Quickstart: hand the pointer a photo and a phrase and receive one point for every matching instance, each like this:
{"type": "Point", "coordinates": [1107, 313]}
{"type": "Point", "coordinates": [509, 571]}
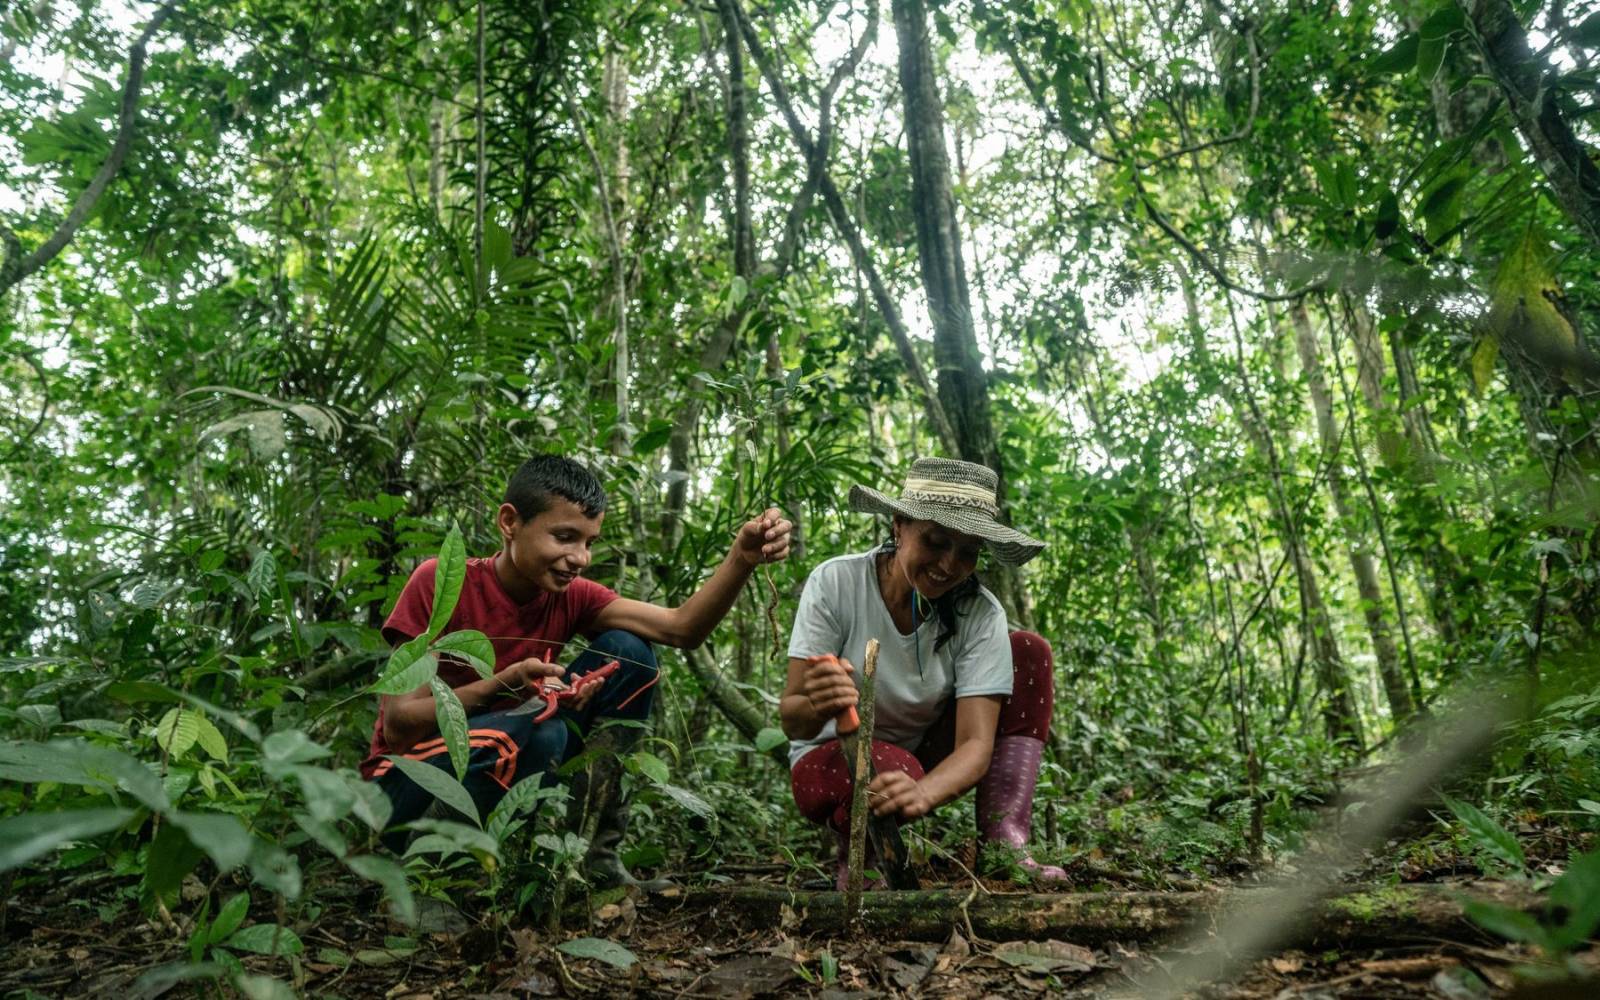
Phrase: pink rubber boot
{"type": "Point", "coordinates": [1005, 801]}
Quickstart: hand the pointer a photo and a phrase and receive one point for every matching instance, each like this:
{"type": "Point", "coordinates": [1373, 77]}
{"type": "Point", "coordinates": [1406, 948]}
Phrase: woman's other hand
{"type": "Point", "coordinates": [896, 793]}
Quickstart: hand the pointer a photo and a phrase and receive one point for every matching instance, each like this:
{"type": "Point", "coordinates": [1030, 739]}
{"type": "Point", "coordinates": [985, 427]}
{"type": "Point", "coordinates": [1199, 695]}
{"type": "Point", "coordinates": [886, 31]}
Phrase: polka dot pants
{"type": "Point", "coordinates": [821, 779]}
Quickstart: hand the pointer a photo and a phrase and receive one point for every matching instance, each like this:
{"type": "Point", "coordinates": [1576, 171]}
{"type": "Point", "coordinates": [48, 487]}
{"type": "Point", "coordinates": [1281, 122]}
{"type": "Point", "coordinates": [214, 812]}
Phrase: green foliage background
{"type": "Point", "coordinates": [289, 348]}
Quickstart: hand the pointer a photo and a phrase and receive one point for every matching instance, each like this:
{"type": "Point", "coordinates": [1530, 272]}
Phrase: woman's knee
{"type": "Point", "coordinates": [1033, 661]}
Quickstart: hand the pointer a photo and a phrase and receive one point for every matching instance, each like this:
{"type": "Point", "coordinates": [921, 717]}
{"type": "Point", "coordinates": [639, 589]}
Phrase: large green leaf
{"type": "Point", "coordinates": [31, 835]}
{"type": "Point", "coordinates": [177, 731]}
{"type": "Point", "coordinates": [393, 879]}
{"type": "Point", "coordinates": [1489, 836]}
{"type": "Point", "coordinates": [599, 949]}
{"type": "Point", "coordinates": [1575, 901]}
{"type": "Point", "coordinates": [451, 716]}
{"type": "Point", "coordinates": [229, 917]}
{"type": "Point", "coordinates": [471, 646]}
{"type": "Point", "coordinates": [451, 570]}
{"type": "Point", "coordinates": [76, 762]}
{"type": "Point", "coordinates": [265, 939]}
{"type": "Point", "coordinates": [410, 667]}
{"type": "Point", "coordinates": [221, 836]}
{"type": "Point", "coordinates": [438, 784]}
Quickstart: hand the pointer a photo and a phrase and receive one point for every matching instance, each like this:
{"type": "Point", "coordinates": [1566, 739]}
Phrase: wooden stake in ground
{"type": "Point", "coordinates": [859, 757]}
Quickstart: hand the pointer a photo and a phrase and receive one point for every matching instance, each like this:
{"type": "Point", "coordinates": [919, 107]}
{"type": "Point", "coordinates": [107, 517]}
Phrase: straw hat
{"type": "Point", "coordinates": [957, 495]}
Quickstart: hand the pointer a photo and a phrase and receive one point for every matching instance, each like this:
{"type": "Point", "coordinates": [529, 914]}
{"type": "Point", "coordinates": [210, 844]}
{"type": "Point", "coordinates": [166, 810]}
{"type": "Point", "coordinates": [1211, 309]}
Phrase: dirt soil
{"type": "Point", "coordinates": [57, 941]}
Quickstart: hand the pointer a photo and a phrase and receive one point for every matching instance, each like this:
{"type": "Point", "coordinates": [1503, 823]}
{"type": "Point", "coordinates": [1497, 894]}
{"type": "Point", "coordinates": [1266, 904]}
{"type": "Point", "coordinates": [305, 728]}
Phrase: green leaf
{"type": "Point", "coordinates": [652, 767]}
{"type": "Point", "coordinates": [162, 978]}
{"type": "Point", "coordinates": [1046, 956]}
{"type": "Point", "coordinates": [656, 434]}
{"type": "Point", "coordinates": [438, 784]}
{"type": "Point", "coordinates": [448, 575]}
{"type": "Point", "coordinates": [410, 667]}
{"type": "Point", "coordinates": [1513, 925]}
{"type": "Point", "coordinates": [1443, 22]}
{"type": "Point", "coordinates": [472, 646]}
{"type": "Point", "coordinates": [229, 917]}
{"type": "Point", "coordinates": [210, 739]}
{"type": "Point", "coordinates": [32, 835]}
{"type": "Point", "coordinates": [393, 879]}
{"type": "Point", "coordinates": [689, 800]}
{"type": "Point", "coordinates": [1575, 899]}
{"type": "Point", "coordinates": [451, 716]}
{"type": "Point", "coordinates": [177, 731]}
{"type": "Point", "coordinates": [770, 738]}
{"type": "Point", "coordinates": [1430, 56]}
{"type": "Point", "coordinates": [171, 856]}
{"type": "Point", "coordinates": [276, 869]}
{"type": "Point", "coordinates": [1484, 354]}
{"type": "Point", "coordinates": [221, 836]}
{"type": "Point", "coordinates": [1399, 57]}
{"type": "Point", "coordinates": [76, 762]}
{"type": "Point", "coordinates": [263, 573]}
{"type": "Point", "coordinates": [599, 949]}
{"type": "Point", "coordinates": [1489, 836]}
{"type": "Point", "coordinates": [1587, 33]}
{"type": "Point", "coordinates": [265, 939]}
{"type": "Point", "coordinates": [287, 747]}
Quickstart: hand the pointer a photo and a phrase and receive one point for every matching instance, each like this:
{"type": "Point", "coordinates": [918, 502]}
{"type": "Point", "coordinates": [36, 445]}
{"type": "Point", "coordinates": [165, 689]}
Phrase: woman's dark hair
{"type": "Point", "coordinates": [950, 606]}
{"type": "Point", "coordinates": [544, 476]}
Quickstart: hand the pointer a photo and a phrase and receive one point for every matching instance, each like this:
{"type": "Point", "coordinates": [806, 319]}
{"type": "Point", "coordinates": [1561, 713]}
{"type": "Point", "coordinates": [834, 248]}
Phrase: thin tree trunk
{"type": "Point", "coordinates": [847, 229]}
{"type": "Point", "coordinates": [1362, 562]}
{"type": "Point", "coordinates": [1339, 712]}
{"type": "Point", "coordinates": [963, 383]}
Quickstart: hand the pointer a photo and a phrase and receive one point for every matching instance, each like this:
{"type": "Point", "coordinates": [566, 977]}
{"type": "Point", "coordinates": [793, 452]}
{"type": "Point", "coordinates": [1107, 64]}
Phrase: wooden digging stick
{"type": "Point", "coordinates": [855, 739]}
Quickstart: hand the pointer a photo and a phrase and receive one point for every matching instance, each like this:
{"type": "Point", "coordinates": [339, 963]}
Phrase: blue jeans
{"type": "Point", "coordinates": [508, 747]}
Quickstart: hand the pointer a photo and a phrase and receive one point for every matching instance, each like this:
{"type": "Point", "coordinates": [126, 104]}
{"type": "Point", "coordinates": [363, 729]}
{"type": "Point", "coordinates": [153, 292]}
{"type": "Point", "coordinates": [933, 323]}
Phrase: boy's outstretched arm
{"type": "Point", "coordinates": [763, 539]}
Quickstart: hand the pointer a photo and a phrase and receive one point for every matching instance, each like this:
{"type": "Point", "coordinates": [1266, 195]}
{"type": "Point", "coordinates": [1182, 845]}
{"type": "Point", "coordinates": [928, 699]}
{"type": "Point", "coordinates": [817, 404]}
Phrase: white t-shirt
{"type": "Point", "coordinates": [842, 607]}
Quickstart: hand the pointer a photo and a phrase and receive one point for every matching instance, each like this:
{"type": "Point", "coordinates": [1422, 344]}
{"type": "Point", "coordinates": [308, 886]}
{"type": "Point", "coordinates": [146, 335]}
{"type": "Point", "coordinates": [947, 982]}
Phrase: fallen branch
{"type": "Point", "coordinates": [1366, 915]}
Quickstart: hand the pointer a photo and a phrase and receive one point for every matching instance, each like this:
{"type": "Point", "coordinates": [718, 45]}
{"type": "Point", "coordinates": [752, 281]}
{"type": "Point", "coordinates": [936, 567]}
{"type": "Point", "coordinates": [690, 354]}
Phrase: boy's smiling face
{"type": "Point", "coordinates": [547, 551]}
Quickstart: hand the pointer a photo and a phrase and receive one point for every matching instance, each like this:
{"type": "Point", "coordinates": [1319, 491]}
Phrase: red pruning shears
{"type": "Point", "coordinates": [552, 691]}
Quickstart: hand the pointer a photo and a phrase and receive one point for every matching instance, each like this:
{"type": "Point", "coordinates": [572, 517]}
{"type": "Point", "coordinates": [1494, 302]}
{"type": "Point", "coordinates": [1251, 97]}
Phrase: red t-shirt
{"type": "Point", "coordinates": [518, 631]}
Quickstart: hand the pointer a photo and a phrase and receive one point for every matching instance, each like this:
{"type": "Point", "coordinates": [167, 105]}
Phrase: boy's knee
{"type": "Point", "coordinates": [626, 648]}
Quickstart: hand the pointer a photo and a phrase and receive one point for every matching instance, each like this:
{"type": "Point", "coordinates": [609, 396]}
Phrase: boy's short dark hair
{"type": "Point", "coordinates": [544, 476]}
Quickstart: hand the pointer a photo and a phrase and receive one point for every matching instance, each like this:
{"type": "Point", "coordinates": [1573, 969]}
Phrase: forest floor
{"type": "Point", "coordinates": [58, 942]}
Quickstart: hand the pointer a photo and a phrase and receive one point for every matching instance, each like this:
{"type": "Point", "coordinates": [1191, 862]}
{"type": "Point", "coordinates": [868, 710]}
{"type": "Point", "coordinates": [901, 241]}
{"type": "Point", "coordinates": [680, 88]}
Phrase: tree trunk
{"type": "Point", "coordinates": [717, 349]}
{"type": "Point", "coordinates": [1525, 80]}
{"type": "Point", "coordinates": [963, 383]}
{"type": "Point", "coordinates": [1339, 711]}
{"type": "Point", "coordinates": [1359, 916]}
{"type": "Point", "coordinates": [1362, 562]}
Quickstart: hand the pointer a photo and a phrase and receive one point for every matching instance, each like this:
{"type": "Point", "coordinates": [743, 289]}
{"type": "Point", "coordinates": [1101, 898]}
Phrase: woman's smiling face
{"type": "Point", "coordinates": [935, 558]}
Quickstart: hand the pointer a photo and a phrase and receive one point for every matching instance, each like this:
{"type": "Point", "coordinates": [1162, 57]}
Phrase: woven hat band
{"type": "Point", "coordinates": [951, 494]}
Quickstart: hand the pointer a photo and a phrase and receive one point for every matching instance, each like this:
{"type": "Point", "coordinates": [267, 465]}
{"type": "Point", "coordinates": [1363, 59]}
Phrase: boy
{"type": "Point", "coordinates": [530, 599]}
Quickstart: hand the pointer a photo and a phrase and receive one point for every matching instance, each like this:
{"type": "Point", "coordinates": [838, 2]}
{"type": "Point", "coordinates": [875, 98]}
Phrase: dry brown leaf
{"type": "Point", "coordinates": [1288, 965]}
{"type": "Point", "coordinates": [608, 913]}
{"type": "Point", "coordinates": [957, 946]}
{"type": "Point", "coordinates": [526, 940]}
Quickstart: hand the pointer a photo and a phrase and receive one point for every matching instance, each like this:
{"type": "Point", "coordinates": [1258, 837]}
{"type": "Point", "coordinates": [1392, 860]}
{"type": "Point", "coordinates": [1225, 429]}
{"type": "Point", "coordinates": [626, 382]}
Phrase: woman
{"type": "Point", "coordinates": [959, 700]}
